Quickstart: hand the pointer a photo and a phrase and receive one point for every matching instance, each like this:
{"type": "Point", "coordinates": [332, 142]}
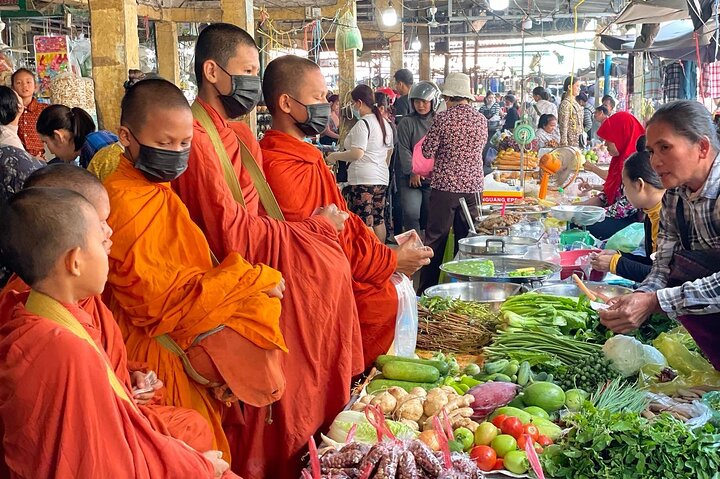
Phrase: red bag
{"type": "Point", "coordinates": [420, 165]}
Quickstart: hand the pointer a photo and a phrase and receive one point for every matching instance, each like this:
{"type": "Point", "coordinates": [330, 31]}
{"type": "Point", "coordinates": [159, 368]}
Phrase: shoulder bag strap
{"type": "Point", "coordinates": [48, 308]}
{"type": "Point", "coordinates": [267, 197]}
{"type": "Point", "coordinates": [228, 171]}
{"type": "Point", "coordinates": [682, 225]}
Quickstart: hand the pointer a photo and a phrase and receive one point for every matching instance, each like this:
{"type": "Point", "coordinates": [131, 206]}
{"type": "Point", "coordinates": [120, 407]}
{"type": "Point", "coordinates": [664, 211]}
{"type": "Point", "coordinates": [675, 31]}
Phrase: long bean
{"type": "Point", "coordinates": [567, 350]}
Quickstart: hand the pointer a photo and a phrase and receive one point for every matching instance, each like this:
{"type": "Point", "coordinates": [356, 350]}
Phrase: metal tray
{"type": "Point", "coordinates": [571, 289]}
{"type": "Point", "coordinates": [496, 245]}
{"type": "Point", "coordinates": [517, 209]}
{"type": "Point", "coordinates": [491, 294]}
{"type": "Point", "coordinates": [503, 266]}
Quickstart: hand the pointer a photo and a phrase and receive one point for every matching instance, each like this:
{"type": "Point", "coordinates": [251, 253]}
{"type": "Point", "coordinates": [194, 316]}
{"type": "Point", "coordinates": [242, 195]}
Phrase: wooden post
{"type": "Point", "coordinates": [464, 55]}
{"type": "Point", "coordinates": [240, 13]}
{"type": "Point", "coordinates": [114, 52]}
{"type": "Point", "coordinates": [425, 67]}
{"type": "Point", "coordinates": [395, 35]}
{"type": "Point", "coordinates": [166, 42]}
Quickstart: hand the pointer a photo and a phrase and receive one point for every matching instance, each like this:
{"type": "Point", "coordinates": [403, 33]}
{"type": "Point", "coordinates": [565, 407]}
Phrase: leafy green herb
{"type": "Point", "coordinates": [603, 444]}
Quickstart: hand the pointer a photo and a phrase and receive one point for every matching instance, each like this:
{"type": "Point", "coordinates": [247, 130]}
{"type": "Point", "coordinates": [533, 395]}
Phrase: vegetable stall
{"type": "Point", "coordinates": [529, 384]}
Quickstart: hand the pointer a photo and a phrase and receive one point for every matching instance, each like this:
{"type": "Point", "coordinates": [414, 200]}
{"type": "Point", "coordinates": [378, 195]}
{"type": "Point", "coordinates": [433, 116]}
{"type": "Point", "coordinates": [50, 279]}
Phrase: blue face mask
{"type": "Point", "coordinates": [356, 113]}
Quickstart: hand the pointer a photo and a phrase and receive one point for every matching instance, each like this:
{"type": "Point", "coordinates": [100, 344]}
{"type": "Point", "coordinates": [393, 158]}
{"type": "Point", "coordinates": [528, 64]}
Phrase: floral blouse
{"type": "Point", "coordinates": [620, 209]}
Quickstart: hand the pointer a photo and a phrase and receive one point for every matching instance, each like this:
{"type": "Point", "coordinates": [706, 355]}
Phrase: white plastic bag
{"type": "Point", "coordinates": [406, 324]}
{"type": "Point", "coordinates": [628, 354]}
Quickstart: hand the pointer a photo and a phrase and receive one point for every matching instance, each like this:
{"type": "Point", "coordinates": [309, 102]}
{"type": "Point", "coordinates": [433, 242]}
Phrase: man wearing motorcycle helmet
{"type": "Point", "coordinates": [424, 98]}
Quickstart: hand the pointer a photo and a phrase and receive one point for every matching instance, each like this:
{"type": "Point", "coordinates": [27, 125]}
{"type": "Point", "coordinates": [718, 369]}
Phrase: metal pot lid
{"type": "Point", "coordinates": [496, 245]}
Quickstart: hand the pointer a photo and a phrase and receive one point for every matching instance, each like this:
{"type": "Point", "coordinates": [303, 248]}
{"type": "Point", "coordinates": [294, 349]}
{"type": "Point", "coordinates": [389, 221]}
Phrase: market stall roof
{"type": "Point", "coordinates": [653, 11]}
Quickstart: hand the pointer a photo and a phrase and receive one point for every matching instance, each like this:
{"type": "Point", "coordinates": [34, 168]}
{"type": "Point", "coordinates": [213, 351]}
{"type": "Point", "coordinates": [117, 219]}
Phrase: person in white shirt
{"type": "Point", "coordinates": [368, 147]}
{"type": "Point", "coordinates": [11, 107]}
{"type": "Point", "coordinates": [542, 105]}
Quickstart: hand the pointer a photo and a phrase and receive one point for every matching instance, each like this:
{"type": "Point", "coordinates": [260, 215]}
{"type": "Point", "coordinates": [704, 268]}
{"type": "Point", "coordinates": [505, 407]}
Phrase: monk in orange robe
{"type": "Point", "coordinates": [162, 280]}
{"type": "Point", "coordinates": [319, 318]}
{"type": "Point", "coordinates": [184, 424]}
{"type": "Point", "coordinates": [294, 90]}
{"type": "Point", "coordinates": [66, 412]}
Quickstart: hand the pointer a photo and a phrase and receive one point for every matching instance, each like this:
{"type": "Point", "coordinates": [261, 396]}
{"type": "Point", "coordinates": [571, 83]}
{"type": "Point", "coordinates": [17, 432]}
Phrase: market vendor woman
{"type": "Point", "coordinates": [685, 277]}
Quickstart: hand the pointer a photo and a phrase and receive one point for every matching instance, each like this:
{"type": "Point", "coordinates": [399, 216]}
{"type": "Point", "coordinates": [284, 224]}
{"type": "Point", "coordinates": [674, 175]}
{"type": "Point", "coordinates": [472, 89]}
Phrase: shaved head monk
{"type": "Point", "coordinates": [181, 423]}
{"type": "Point", "coordinates": [65, 410]}
{"type": "Point", "coordinates": [163, 289]}
{"type": "Point", "coordinates": [228, 197]}
{"type": "Point", "coordinates": [294, 90]}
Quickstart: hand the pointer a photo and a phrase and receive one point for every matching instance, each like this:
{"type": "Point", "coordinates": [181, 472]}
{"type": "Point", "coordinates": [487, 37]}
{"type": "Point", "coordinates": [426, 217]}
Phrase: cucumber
{"type": "Point", "coordinates": [378, 385]}
{"type": "Point", "coordinates": [411, 372]}
{"type": "Point", "coordinates": [441, 366]}
{"type": "Point", "coordinates": [524, 373]}
{"type": "Point", "coordinates": [496, 366]}
{"type": "Point", "coordinates": [502, 378]}
{"type": "Point", "coordinates": [511, 369]}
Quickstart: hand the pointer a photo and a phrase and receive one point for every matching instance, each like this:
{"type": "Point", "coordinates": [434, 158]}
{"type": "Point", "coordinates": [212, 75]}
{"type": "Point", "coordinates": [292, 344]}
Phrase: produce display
{"type": "Point", "coordinates": [555, 393]}
{"type": "Point", "coordinates": [510, 159]}
{"type": "Point", "coordinates": [454, 325]}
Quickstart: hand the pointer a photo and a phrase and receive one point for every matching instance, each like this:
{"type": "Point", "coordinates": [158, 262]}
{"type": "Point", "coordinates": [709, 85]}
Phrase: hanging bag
{"type": "Point", "coordinates": [421, 165]}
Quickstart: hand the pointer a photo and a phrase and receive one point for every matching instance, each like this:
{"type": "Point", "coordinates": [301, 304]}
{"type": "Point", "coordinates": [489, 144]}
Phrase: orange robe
{"type": "Point", "coordinates": [162, 281]}
{"type": "Point", "coordinates": [302, 182]}
{"type": "Point", "coordinates": [180, 423]}
{"type": "Point", "coordinates": [62, 418]}
{"type": "Point", "coordinates": [319, 318]}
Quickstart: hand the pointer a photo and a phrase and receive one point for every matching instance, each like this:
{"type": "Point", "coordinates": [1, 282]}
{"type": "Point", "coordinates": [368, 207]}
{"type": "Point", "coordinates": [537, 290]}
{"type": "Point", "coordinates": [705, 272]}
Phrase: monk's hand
{"type": "Point", "coordinates": [627, 313]}
{"type": "Point", "coordinates": [410, 258]}
{"type": "Point", "coordinates": [140, 383]}
{"type": "Point", "coordinates": [335, 215]}
{"type": "Point", "coordinates": [219, 465]}
{"type": "Point", "coordinates": [277, 291]}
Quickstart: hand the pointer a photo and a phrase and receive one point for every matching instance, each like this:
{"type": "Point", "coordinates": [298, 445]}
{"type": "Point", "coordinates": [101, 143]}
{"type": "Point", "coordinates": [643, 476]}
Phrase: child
{"type": "Point", "coordinates": [65, 411]}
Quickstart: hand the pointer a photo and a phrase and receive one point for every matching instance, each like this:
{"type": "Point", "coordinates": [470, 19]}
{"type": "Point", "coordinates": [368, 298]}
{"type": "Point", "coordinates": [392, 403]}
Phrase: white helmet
{"type": "Point", "coordinates": [425, 90]}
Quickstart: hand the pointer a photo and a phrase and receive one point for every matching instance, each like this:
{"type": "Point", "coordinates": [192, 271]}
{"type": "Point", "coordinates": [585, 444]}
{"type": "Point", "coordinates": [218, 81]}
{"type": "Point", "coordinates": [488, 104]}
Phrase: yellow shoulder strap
{"type": "Point", "coordinates": [267, 198]}
{"type": "Point", "coordinates": [230, 177]}
{"type": "Point", "coordinates": [47, 307]}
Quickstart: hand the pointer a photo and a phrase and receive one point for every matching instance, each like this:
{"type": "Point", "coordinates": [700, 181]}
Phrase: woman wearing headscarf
{"type": "Point", "coordinates": [620, 133]}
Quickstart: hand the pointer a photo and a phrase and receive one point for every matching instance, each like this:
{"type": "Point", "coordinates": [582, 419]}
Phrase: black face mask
{"type": "Point", "coordinates": [245, 94]}
{"type": "Point", "coordinates": [160, 165]}
{"type": "Point", "coordinates": [318, 117]}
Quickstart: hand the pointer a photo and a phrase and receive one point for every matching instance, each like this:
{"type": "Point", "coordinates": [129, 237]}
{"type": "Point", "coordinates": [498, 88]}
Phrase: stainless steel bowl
{"type": "Point", "coordinates": [571, 289]}
{"type": "Point", "coordinates": [516, 246]}
{"type": "Point", "coordinates": [492, 294]}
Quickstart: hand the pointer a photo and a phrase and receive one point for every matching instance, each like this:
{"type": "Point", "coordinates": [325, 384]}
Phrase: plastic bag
{"type": "Point", "coordinates": [406, 325]}
{"type": "Point", "coordinates": [701, 413]}
{"type": "Point", "coordinates": [347, 36]}
{"type": "Point", "coordinates": [627, 239]}
{"type": "Point", "coordinates": [692, 369]}
{"type": "Point", "coordinates": [628, 354]}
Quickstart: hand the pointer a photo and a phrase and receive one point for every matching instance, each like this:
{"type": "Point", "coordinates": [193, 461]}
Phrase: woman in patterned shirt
{"type": "Point", "coordinates": [571, 115]}
{"type": "Point", "coordinates": [620, 132]}
{"type": "Point", "coordinates": [456, 140]}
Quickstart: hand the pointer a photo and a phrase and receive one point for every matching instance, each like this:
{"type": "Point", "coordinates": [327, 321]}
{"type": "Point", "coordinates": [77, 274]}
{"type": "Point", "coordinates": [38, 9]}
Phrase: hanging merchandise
{"type": "Point", "coordinates": [80, 53]}
{"type": "Point", "coordinates": [51, 59]}
{"type": "Point", "coordinates": [653, 77]}
{"type": "Point", "coordinates": [711, 80]}
{"type": "Point", "coordinates": [691, 80]}
{"type": "Point", "coordinates": [347, 36]}
{"type": "Point", "coordinates": [674, 80]}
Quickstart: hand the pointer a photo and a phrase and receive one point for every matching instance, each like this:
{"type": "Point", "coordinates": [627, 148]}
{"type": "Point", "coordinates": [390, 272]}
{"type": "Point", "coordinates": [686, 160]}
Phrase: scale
{"type": "Point", "coordinates": [523, 134]}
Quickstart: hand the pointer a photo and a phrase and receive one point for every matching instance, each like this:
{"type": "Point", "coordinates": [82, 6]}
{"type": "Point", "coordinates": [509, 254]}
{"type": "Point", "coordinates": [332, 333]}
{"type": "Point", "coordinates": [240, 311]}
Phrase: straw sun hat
{"type": "Point", "coordinates": [458, 85]}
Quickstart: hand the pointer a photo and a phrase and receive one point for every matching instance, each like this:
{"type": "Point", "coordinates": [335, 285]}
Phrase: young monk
{"type": "Point", "coordinates": [294, 90]}
{"type": "Point", "coordinates": [163, 288]}
{"type": "Point", "coordinates": [319, 318]}
{"type": "Point", "coordinates": [66, 413]}
{"type": "Point", "coordinates": [181, 423]}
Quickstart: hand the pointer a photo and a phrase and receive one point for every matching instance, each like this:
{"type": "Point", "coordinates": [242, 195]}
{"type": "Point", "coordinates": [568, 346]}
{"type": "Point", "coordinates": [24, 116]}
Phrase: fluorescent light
{"type": "Point", "coordinates": [416, 45]}
{"type": "Point", "coordinates": [527, 24]}
{"type": "Point", "coordinates": [591, 25]}
{"type": "Point", "coordinates": [389, 16]}
{"type": "Point", "coordinates": [498, 4]}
